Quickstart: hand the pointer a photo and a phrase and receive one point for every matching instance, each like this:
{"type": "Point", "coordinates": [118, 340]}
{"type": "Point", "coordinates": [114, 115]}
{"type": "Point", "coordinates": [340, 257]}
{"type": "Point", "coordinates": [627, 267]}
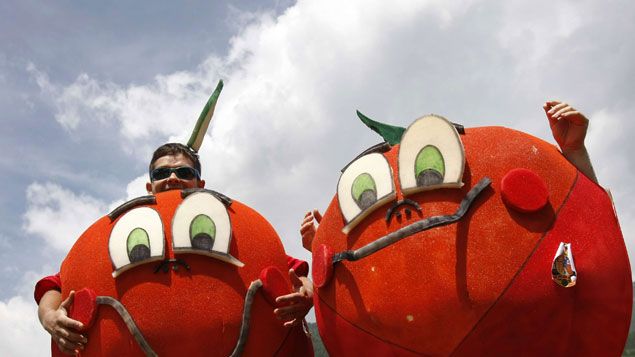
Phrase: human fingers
{"type": "Point", "coordinates": [557, 107]}
{"type": "Point", "coordinates": [288, 312]}
{"type": "Point", "coordinates": [295, 280]}
{"type": "Point", "coordinates": [306, 227]}
{"type": "Point", "coordinates": [562, 110]}
{"type": "Point", "coordinates": [293, 298]}
{"type": "Point", "coordinates": [307, 219]}
{"type": "Point", "coordinates": [286, 316]}
{"type": "Point", "coordinates": [72, 336]}
{"type": "Point", "coordinates": [66, 351]}
{"type": "Point", "coordinates": [292, 323]}
{"type": "Point", "coordinates": [575, 117]}
{"type": "Point", "coordinates": [70, 323]}
{"type": "Point", "coordinates": [552, 121]}
{"type": "Point", "coordinates": [66, 346]}
{"type": "Point", "coordinates": [317, 215]}
{"type": "Point", "coordinates": [550, 104]}
{"type": "Point", "coordinates": [68, 302]}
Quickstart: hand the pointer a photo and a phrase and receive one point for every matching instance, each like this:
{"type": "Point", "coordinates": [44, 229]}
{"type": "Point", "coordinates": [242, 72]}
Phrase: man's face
{"type": "Point", "coordinates": [173, 182]}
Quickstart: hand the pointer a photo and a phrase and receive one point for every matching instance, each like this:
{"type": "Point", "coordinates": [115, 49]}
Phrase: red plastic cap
{"type": "Point", "coordinates": [524, 191]}
{"type": "Point", "coordinates": [322, 265]}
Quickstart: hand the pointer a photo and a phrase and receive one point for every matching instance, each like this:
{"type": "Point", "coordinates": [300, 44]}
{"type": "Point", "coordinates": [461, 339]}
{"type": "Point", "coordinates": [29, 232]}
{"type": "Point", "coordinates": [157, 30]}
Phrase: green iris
{"type": "Point", "coordinates": [364, 190]}
{"type": "Point", "coordinates": [138, 244]}
{"type": "Point", "coordinates": [202, 232]}
{"type": "Point", "coordinates": [429, 166]}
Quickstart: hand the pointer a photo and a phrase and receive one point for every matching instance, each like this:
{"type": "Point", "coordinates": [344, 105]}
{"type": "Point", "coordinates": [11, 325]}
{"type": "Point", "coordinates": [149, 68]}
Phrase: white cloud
{"type": "Point", "coordinates": [20, 330]}
{"type": "Point", "coordinates": [285, 122]}
{"type": "Point", "coordinates": [532, 32]}
{"type": "Point", "coordinates": [4, 242]}
{"type": "Point", "coordinates": [58, 215]}
{"type": "Point", "coordinates": [608, 137]}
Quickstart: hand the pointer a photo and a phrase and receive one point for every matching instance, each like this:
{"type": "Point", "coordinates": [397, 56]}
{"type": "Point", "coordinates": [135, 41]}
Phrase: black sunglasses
{"type": "Point", "coordinates": [183, 172]}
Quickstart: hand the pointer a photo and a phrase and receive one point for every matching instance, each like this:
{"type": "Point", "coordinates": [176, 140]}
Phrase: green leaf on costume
{"type": "Point", "coordinates": [391, 134]}
{"type": "Point", "coordinates": [204, 119]}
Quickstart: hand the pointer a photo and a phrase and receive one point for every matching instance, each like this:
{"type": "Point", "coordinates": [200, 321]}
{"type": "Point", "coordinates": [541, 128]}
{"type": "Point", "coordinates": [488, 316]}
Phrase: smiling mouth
{"type": "Point", "coordinates": [140, 339]}
{"type": "Point", "coordinates": [419, 226]}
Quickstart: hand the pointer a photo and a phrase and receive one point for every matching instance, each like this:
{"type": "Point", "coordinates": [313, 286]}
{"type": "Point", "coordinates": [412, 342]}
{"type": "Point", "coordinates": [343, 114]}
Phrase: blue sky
{"type": "Point", "coordinates": [88, 90]}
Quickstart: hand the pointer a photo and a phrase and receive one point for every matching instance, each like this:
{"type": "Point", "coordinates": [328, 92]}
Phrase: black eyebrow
{"type": "Point", "coordinates": [125, 207]}
{"type": "Point", "coordinates": [224, 199]}
{"type": "Point", "coordinates": [459, 128]}
{"type": "Point", "coordinates": [378, 148]}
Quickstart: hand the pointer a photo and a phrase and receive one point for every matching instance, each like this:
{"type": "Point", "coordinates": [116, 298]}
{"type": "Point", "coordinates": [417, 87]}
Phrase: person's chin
{"type": "Point", "coordinates": [173, 187]}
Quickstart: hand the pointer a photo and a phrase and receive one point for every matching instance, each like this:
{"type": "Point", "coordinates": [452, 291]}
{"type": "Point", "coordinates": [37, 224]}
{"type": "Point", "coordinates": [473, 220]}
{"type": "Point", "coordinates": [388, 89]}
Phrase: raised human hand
{"type": "Point", "coordinates": [308, 228]}
{"type": "Point", "coordinates": [568, 126]}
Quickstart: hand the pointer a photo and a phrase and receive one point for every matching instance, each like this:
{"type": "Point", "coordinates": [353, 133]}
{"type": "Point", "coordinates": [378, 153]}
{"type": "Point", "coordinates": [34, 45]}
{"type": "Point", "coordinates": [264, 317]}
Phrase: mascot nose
{"type": "Point", "coordinates": [405, 205]}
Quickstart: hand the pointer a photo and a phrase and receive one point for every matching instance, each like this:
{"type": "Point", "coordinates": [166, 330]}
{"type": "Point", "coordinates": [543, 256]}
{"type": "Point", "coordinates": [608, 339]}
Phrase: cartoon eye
{"type": "Point", "coordinates": [364, 185]}
{"type": "Point", "coordinates": [431, 155]}
{"type": "Point", "coordinates": [136, 238]}
{"type": "Point", "coordinates": [201, 225]}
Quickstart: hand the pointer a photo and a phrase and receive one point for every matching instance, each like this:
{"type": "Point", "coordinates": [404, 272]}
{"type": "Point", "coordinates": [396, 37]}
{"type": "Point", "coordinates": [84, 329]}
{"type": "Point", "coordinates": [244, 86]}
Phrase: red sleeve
{"type": "Point", "coordinates": [45, 284]}
{"type": "Point", "coordinates": [300, 266]}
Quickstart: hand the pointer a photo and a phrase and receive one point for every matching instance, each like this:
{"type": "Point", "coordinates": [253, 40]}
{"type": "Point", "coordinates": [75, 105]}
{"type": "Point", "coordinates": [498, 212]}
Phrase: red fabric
{"type": "Point", "coordinates": [300, 266]}
{"type": "Point", "coordinates": [354, 341]}
{"type": "Point", "coordinates": [587, 319]}
{"type": "Point", "coordinates": [275, 283]}
{"type": "Point", "coordinates": [45, 284]}
{"type": "Point", "coordinates": [180, 312]}
{"type": "Point", "coordinates": [430, 292]}
{"type": "Point", "coordinates": [296, 344]}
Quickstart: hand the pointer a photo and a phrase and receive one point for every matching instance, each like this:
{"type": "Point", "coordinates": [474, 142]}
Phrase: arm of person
{"type": "Point", "coordinates": [294, 307]}
{"type": "Point", "coordinates": [52, 312]}
{"type": "Point", "coordinates": [53, 315]}
{"type": "Point", "coordinates": [569, 128]}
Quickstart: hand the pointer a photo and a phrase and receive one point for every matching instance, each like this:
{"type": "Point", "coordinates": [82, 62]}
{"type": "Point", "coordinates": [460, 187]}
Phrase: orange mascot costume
{"type": "Point", "coordinates": [467, 242]}
{"type": "Point", "coordinates": [181, 273]}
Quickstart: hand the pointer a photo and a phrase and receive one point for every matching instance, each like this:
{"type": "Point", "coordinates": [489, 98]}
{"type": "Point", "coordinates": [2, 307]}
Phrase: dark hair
{"type": "Point", "coordinates": [174, 149]}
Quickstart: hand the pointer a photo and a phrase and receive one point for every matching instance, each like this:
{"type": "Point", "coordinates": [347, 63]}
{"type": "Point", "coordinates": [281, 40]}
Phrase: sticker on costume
{"type": "Point", "coordinates": [563, 270]}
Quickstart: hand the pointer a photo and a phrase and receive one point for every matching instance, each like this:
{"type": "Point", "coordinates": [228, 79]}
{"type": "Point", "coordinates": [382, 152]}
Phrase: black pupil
{"type": "Point", "coordinates": [138, 253]}
{"type": "Point", "coordinates": [367, 199]}
{"type": "Point", "coordinates": [203, 241]}
{"type": "Point", "coordinates": [185, 173]}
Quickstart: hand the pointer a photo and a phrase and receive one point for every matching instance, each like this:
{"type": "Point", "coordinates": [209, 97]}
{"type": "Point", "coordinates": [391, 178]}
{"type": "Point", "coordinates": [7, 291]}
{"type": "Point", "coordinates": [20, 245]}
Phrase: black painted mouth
{"type": "Point", "coordinates": [419, 226]}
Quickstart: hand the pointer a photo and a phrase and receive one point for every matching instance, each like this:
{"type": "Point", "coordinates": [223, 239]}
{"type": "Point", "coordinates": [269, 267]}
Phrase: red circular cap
{"type": "Point", "coordinates": [274, 284]}
{"type": "Point", "coordinates": [322, 265]}
{"type": "Point", "coordinates": [84, 307]}
{"type": "Point", "coordinates": [524, 191]}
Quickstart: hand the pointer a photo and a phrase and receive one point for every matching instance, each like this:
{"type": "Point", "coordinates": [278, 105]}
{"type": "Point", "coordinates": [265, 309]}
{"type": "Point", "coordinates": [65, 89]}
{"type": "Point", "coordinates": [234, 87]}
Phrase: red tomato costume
{"type": "Point", "coordinates": [179, 266]}
{"type": "Point", "coordinates": [443, 244]}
